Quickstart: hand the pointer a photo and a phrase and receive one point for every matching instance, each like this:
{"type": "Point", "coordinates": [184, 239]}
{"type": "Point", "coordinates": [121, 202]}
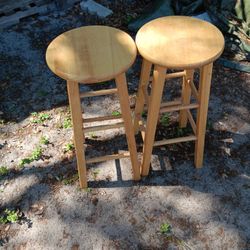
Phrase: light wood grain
{"type": "Point", "coordinates": [121, 84]}
{"type": "Point", "coordinates": [186, 94]}
{"type": "Point", "coordinates": [103, 127]}
{"type": "Point", "coordinates": [108, 158]}
{"type": "Point", "coordinates": [175, 140]}
{"type": "Point", "coordinates": [91, 54]}
{"type": "Point", "coordinates": [191, 120]}
{"type": "Point", "coordinates": [76, 114]}
{"type": "Point", "coordinates": [142, 97]}
{"type": "Point", "coordinates": [179, 107]}
{"type": "Point", "coordinates": [179, 42]}
{"type": "Point", "coordinates": [204, 90]}
{"type": "Point", "coordinates": [98, 93]}
{"type": "Point", "coordinates": [102, 118]}
{"type": "Point", "coordinates": [194, 90]}
{"type": "Point", "coordinates": [153, 113]}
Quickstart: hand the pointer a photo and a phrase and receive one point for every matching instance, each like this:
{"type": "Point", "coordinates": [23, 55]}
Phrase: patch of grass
{"type": "Point", "coordinates": [95, 172]}
{"type": "Point", "coordinates": [3, 171]}
{"type": "Point", "coordinates": [165, 120]}
{"type": "Point", "coordinates": [67, 123]}
{"type": "Point", "coordinates": [9, 216]}
{"type": "Point", "coordinates": [144, 114]}
{"type": "Point", "coordinates": [92, 135]}
{"type": "Point", "coordinates": [39, 118]}
{"type": "Point", "coordinates": [165, 228]}
{"type": "Point", "coordinates": [116, 113]}
{"type": "Point", "coordinates": [88, 190]}
{"type": "Point", "coordinates": [70, 180]}
{"type": "Point", "coordinates": [179, 132]}
{"type": "Point", "coordinates": [35, 156]}
{"type": "Point", "coordinates": [44, 140]}
{"type": "Point", "coordinates": [69, 147]}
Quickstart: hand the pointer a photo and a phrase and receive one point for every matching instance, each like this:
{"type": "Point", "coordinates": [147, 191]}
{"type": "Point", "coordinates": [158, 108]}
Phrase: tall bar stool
{"type": "Point", "coordinates": [95, 54]}
{"type": "Point", "coordinates": [178, 43]}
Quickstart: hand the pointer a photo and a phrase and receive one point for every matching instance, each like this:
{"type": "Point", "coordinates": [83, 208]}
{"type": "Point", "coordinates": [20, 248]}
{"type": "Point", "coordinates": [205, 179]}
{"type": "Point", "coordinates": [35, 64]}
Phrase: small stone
{"type": "Point", "coordinates": [228, 140]}
{"type": "Point", "coordinates": [7, 228]}
{"type": "Point", "coordinates": [95, 8]}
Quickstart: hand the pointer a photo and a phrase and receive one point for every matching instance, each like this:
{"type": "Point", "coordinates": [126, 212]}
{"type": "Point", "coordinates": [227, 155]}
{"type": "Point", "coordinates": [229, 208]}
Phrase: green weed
{"type": "Point", "coordinates": [67, 123]}
{"type": "Point", "coordinates": [116, 113]}
{"type": "Point", "coordinates": [144, 114]}
{"type": "Point", "coordinates": [70, 180]}
{"type": "Point", "coordinates": [88, 190]}
{"type": "Point", "coordinates": [44, 140]}
{"type": "Point", "coordinates": [165, 228]}
{"type": "Point", "coordinates": [95, 172]}
{"type": "Point", "coordinates": [92, 135]}
{"type": "Point", "coordinates": [3, 171]}
{"type": "Point", "coordinates": [35, 156]}
{"type": "Point", "coordinates": [9, 216]}
{"type": "Point", "coordinates": [69, 147]}
{"type": "Point", "coordinates": [39, 118]}
{"type": "Point", "coordinates": [165, 120]}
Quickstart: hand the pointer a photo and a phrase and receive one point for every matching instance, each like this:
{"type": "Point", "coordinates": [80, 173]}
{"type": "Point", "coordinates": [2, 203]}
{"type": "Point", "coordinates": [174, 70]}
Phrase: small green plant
{"type": "Point", "coordinates": [165, 228]}
{"type": "Point", "coordinates": [88, 190]}
{"type": "Point", "coordinates": [44, 140]}
{"type": "Point", "coordinates": [179, 132]}
{"type": "Point", "coordinates": [95, 172]}
{"type": "Point", "coordinates": [165, 120]}
{"type": "Point", "coordinates": [144, 114]}
{"type": "Point", "coordinates": [3, 171]}
{"type": "Point", "coordinates": [9, 216]}
{"type": "Point", "coordinates": [67, 123]}
{"type": "Point", "coordinates": [39, 118]}
{"type": "Point", "coordinates": [35, 156]}
{"type": "Point", "coordinates": [92, 135]}
{"type": "Point", "coordinates": [116, 113]}
{"type": "Point", "coordinates": [69, 147]}
{"type": "Point", "coordinates": [70, 180]}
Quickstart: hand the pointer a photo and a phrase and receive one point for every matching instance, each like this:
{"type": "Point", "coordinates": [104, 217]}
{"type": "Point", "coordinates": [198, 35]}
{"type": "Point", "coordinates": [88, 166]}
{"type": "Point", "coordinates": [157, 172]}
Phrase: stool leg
{"type": "Point", "coordinates": [128, 124]}
{"type": "Point", "coordinates": [186, 94]}
{"type": "Point", "coordinates": [153, 113]}
{"type": "Point", "coordinates": [204, 90]}
{"type": "Point", "coordinates": [140, 98]}
{"type": "Point", "coordinates": [76, 114]}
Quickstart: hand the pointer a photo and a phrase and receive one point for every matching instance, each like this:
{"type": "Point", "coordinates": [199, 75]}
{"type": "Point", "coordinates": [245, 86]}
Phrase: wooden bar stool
{"type": "Point", "coordinates": [95, 54]}
{"type": "Point", "coordinates": [178, 43]}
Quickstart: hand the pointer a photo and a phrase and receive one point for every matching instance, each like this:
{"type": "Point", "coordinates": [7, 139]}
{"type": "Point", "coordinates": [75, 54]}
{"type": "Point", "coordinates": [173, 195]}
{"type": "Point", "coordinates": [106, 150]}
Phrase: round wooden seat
{"type": "Point", "coordinates": [179, 42]}
{"type": "Point", "coordinates": [91, 54]}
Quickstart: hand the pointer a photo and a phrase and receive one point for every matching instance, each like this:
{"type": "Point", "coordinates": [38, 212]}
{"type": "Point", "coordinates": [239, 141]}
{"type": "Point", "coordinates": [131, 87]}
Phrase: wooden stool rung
{"type": "Point", "coordinates": [172, 103]}
{"type": "Point", "coordinates": [166, 104]}
{"type": "Point", "coordinates": [108, 157]}
{"type": "Point", "coordinates": [102, 118]}
{"type": "Point", "coordinates": [191, 120]}
{"type": "Point", "coordinates": [175, 75]}
{"type": "Point", "coordinates": [146, 95]}
{"type": "Point", "coordinates": [193, 89]}
{"type": "Point", "coordinates": [178, 107]}
{"type": "Point", "coordinates": [98, 93]}
{"type": "Point", "coordinates": [175, 140]}
{"type": "Point", "coordinates": [171, 75]}
{"type": "Point", "coordinates": [103, 127]}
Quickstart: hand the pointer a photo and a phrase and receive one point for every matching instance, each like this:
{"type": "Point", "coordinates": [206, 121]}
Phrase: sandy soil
{"type": "Point", "coordinates": [206, 209]}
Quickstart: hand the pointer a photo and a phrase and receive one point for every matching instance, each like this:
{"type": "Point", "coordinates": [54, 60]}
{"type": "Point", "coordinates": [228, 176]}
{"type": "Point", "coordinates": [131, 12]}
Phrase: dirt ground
{"type": "Point", "coordinates": [207, 208]}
